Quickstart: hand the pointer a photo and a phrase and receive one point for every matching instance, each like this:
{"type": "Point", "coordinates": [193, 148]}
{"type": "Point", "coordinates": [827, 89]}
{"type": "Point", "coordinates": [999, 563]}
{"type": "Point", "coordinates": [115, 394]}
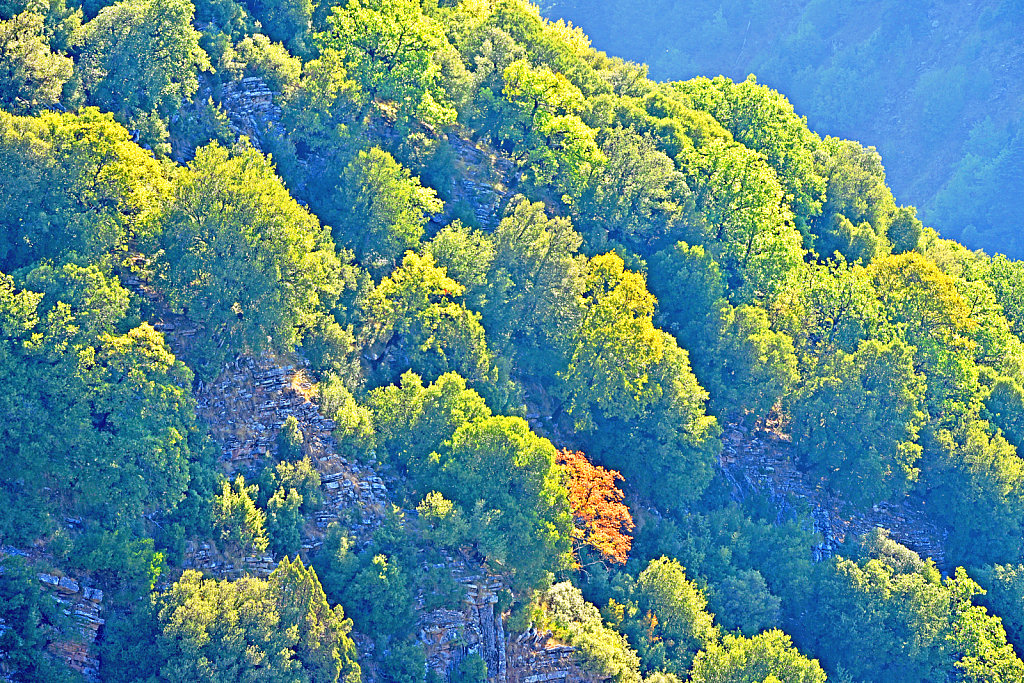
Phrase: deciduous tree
{"type": "Point", "coordinates": [602, 521]}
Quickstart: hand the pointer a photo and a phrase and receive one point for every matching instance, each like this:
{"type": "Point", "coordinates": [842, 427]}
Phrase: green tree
{"type": "Point", "coordinates": [323, 108]}
{"type": "Point", "coordinates": [974, 484]}
{"type": "Point", "coordinates": [671, 622]}
{"type": "Point", "coordinates": [979, 639]}
{"type": "Point", "coordinates": [379, 597]}
{"type": "Point", "coordinates": [601, 650]}
{"type": "Point", "coordinates": [532, 281]}
{"type": "Point", "coordinates": [534, 98]}
{"type": "Point", "coordinates": [281, 629]}
{"type": "Point", "coordinates": [388, 47]}
{"type": "Point", "coordinates": [763, 120]}
{"type": "Point", "coordinates": [830, 308]}
{"type": "Point", "coordinates": [285, 522]}
{"type": "Point", "coordinates": [504, 478]}
{"type": "Point", "coordinates": [95, 404]}
{"type": "Point", "coordinates": [466, 255]}
{"type": "Point", "coordinates": [32, 76]}
{"type": "Point", "coordinates": [905, 230]}
{"type": "Point", "coordinates": [857, 423]}
{"type": "Point", "coordinates": [289, 440]}
{"type": "Point", "coordinates": [752, 366]}
{"type": "Point", "coordinates": [858, 208]}
{"type": "Point", "coordinates": [768, 657]}
{"type": "Point", "coordinates": [76, 185]}
{"type": "Point", "coordinates": [925, 304]}
{"type": "Point", "coordinates": [1004, 596]}
{"type": "Point", "coordinates": [744, 221]}
{"type": "Point", "coordinates": [140, 60]}
{"type": "Point", "coordinates": [380, 210]}
{"type": "Point", "coordinates": [678, 440]}
{"type": "Point", "coordinates": [326, 652]}
{"type": "Point", "coordinates": [301, 476]}
{"type": "Point", "coordinates": [742, 601]}
{"type": "Point", "coordinates": [638, 198]}
{"type": "Point", "coordinates": [1005, 403]}
{"type": "Point", "coordinates": [692, 304]}
{"type": "Point", "coordinates": [286, 22]}
{"type": "Point", "coordinates": [414, 420]}
{"type": "Point", "coordinates": [614, 346]}
{"type": "Point", "coordinates": [879, 624]}
{"type": "Point", "coordinates": [242, 258]}
{"type": "Point", "coordinates": [419, 325]}
{"type": "Point", "coordinates": [240, 522]}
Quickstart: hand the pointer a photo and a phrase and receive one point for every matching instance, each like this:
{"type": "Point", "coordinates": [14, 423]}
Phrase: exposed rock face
{"type": "Point", "coordinates": [481, 184]}
{"type": "Point", "coordinates": [250, 107]}
{"type": "Point", "coordinates": [764, 462]}
{"type": "Point", "coordinates": [245, 408]}
{"type": "Point", "coordinates": [84, 605]}
{"type": "Point", "coordinates": [449, 636]}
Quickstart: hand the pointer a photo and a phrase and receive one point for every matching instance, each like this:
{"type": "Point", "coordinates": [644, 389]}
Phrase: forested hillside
{"type": "Point", "coordinates": [931, 84]}
{"type": "Point", "coordinates": [406, 342]}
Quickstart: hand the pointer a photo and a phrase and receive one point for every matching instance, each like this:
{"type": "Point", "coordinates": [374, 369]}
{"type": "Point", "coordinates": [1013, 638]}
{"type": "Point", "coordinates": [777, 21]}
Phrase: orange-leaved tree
{"type": "Point", "coordinates": [602, 520]}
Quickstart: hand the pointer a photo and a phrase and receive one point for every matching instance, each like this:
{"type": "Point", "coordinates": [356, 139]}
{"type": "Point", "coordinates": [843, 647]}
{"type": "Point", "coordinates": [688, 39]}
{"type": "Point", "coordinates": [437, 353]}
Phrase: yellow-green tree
{"type": "Point", "coordinates": [242, 258]}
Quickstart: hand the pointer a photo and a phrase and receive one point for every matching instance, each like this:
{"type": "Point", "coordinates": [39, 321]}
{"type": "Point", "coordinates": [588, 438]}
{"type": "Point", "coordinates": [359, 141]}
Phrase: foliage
{"type": "Point", "coordinates": [422, 327]}
{"type": "Point", "coordinates": [289, 440]}
{"type": "Point", "coordinates": [601, 650]}
{"type": "Point", "coordinates": [638, 197]}
{"type": "Point", "coordinates": [33, 76]}
{"type": "Point", "coordinates": [601, 520]}
{"type": "Point", "coordinates": [668, 622]}
{"type": "Point", "coordinates": [975, 486]}
{"type": "Point", "coordinates": [858, 422]}
{"type": "Point", "coordinates": [240, 522]}
{"type": "Point", "coordinates": [613, 346]}
{"type": "Point", "coordinates": [1004, 590]}
{"type": "Point", "coordinates": [769, 656]}
{"type": "Point", "coordinates": [763, 120]}
{"type": "Point", "coordinates": [858, 207]}
{"type": "Point", "coordinates": [281, 628]}
{"type": "Point", "coordinates": [742, 601]}
{"type": "Point", "coordinates": [77, 185]}
{"type": "Point", "coordinates": [242, 257]}
{"type": "Point", "coordinates": [414, 420]}
{"type": "Point", "coordinates": [504, 478]}
{"type": "Point", "coordinates": [617, 258]}
{"type": "Point", "coordinates": [32, 620]}
{"type": "Point", "coordinates": [387, 47]}
{"type": "Point", "coordinates": [94, 403]}
{"type": "Point", "coordinates": [139, 60]}
{"type": "Point", "coordinates": [380, 210]}
{"type": "Point", "coordinates": [744, 221]}
{"type": "Point", "coordinates": [258, 56]}
{"type": "Point", "coordinates": [284, 522]}
{"type": "Point", "coordinates": [532, 280]}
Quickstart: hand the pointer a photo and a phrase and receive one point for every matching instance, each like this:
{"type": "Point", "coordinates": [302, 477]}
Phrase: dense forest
{"type": "Point", "coordinates": [544, 300]}
{"type": "Point", "coordinates": [932, 84]}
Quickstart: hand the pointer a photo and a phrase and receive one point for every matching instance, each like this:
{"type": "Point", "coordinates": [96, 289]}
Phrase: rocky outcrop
{"type": "Point", "coordinates": [449, 636]}
{"type": "Point", "coordinates": [481, 184]}
{"type": "Point", "coordinates": [80, 602]}
{"type": "Point", "coordinates": [83, 605]}
{"type": "Point", "coordinates": [763, 461]}
{"type": "Point", "coordinates": [251, 110]}
{"type": "Point", "coordinates": [245, 408]}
